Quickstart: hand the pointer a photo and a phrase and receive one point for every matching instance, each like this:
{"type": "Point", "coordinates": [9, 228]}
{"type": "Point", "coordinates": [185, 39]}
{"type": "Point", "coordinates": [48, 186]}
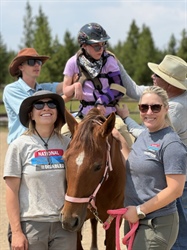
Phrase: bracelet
{"type": "Point", "coordinates": [124, 119]}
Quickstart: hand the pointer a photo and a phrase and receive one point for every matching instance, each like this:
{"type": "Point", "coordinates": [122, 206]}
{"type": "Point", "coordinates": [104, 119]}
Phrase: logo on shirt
{"type": "Point", "coordinates": [48, 159]}
{"type": "Point", "coordinates": [152, 150]}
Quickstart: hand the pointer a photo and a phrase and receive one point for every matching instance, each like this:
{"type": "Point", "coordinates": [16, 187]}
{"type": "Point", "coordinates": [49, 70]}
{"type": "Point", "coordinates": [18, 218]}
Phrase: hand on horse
{"type": "Point", "coordinates": [117, 135]}
{"type": "Point", "coordinates": [19, 241]}
{"type": "Point", "coordinates": [122, 112]}
{"type": "Point", "coordinates": [131, 214]}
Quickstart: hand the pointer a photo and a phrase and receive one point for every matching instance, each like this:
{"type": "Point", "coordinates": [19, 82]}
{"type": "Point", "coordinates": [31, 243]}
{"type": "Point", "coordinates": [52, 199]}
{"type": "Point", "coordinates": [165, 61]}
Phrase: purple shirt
{"type": "Point", "coordinates": [111, 67]}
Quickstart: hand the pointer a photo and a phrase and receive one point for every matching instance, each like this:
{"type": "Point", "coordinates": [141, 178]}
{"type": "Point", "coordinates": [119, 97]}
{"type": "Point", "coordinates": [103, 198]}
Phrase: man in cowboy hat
{"type": "Point", "coordinates": [171, 75]}
{"type": "Point", "coordinates": [26, 67]}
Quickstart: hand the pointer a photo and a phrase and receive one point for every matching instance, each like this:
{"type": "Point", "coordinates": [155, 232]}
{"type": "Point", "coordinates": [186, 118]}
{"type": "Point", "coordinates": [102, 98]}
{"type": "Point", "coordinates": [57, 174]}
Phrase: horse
{"type": "Point", "coordinates": [95, 172]}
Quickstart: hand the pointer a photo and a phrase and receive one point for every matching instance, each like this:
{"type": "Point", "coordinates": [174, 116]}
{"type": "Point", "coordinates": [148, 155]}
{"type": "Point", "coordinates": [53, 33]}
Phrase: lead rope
{"type": "Point", "coordinates": [128, 239]}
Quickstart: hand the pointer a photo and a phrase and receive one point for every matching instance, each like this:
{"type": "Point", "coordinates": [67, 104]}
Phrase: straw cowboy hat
{"type": "Point", "coordinates": [173, 70]}
{"type": "Point", "coordinates": [22, 56]}
{"type": "Point", "coordinates": [27, 105]}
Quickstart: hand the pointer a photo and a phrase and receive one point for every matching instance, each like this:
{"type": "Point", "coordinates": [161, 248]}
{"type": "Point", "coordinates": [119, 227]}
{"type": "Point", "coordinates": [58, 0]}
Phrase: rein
{"type": "Point", "coordinates": [91, 199]}
{"type": "Point", "coordinates": [129, 237]}
{"type": "Point", "coordinates": [116, 213]}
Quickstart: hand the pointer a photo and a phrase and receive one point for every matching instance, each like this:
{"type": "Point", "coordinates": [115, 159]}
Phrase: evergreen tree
{"type": "Point", "coordinates": [182, 51]}
{"type": "Point", "coordinates": [145, 53]}
{"type": "Point", "coordinates": [70, 47]}
{"type": "Point", "coordinates": [129, 49]}
{"type": "Point", "coordinates": [42, 43]}
{"type": "Point", "coordinates": [56, 62]}
{"type": "Point", "coordinates": [28, 22]}
{"type": "Point", "coordinates": [172, 50]}
{"type": "Point", "coordinates": [5, 58]}
{"type": "Point", "coordinates": [61, 53]}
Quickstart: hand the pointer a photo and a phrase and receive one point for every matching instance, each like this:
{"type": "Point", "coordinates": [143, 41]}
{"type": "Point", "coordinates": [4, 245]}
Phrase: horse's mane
{"type": "Point", "coordinates": [84, 135]}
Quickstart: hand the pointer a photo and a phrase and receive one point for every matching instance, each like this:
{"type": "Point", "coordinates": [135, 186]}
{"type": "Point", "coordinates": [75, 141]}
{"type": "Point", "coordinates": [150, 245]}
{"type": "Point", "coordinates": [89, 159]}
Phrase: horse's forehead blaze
{"type": "Point", "coordinates": [80, 158]}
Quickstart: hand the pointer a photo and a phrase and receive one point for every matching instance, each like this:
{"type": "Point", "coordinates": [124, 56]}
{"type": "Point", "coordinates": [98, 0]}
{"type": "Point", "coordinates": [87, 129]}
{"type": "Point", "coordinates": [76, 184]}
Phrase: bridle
{"type": "Point", "coordinates": [116, 213]}
{"type": "Point", "coordinates": [91, 199]}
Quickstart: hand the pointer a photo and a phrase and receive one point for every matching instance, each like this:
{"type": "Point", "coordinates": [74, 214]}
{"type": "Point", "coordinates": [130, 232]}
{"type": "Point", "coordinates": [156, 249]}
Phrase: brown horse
{"type": "Point", "coordinates": [91, 180]}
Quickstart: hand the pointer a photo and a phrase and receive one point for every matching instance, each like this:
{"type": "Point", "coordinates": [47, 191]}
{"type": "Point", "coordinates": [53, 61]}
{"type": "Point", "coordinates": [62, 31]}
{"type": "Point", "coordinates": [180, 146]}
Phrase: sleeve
{"type": "Point", "coordinates": [133, 127]}
{"type": "Point", "coordinates": [175, 158]}
{"type": "Point", "coordinates": [50, 86]}
{"type": "Point", "coordinates": [133, 90]}
{"type": "Point", "coordinates": [12, 99]}
{"type": "Point", "coordinates": [177, 115]}
{"type": "Point", "coordinates": [13, 163]}
{"type": "Point", "coordinates": [71, 67]}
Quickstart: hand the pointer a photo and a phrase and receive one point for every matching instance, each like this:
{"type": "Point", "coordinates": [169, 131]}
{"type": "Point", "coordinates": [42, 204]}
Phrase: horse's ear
{"type": "Point", "coordinates": [107, 127]}
{"type": "Point", "coordinates": [71, 122]}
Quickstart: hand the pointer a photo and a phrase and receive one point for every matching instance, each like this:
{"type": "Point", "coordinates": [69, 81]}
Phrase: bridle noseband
{"type": "Point", "coordinates": [91, 199]}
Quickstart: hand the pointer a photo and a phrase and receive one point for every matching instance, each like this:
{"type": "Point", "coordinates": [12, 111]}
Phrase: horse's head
{"type": "Point", "coordinates": [85, 161]}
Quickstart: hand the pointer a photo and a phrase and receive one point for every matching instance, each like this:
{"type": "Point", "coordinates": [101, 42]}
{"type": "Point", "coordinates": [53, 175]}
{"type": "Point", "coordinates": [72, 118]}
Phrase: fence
{"type": "Point", "coordinates": [73, 105]}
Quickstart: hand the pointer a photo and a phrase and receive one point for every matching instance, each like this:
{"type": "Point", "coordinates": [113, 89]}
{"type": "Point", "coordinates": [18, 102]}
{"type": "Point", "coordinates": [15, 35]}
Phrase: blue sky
{"type": "Point", "coordinates": [162, 17]}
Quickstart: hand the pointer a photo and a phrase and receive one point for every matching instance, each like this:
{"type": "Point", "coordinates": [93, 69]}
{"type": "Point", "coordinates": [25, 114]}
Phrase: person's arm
{"type": "Point", "coordinates": [13, 211]}
{"type": "Point", "coordinates": [174, 189]}
{"type": "Point", "coordinates": [71, 88]}
{"type": "Point", "coordinates": [133, 90]}
{"type": "Point", "coordinates": [59, 88]}
{"type": "Point", "coordinates": [133, 127]}
{"type": "Point", "coordinates": [13, 96]}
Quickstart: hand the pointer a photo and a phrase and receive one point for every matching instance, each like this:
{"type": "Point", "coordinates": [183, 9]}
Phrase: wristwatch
{"type": "Point", "coordinates": [140, 214]}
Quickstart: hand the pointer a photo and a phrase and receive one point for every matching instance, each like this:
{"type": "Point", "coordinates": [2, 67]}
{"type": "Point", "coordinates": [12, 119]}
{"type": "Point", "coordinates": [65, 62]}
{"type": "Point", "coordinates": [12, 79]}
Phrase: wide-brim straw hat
{"type": "Point", "coordinates": [22, 56]}
{"type": "Point", "coordinates": [173, 70]}
{"type": "Point", "coordinates": [27, 105]}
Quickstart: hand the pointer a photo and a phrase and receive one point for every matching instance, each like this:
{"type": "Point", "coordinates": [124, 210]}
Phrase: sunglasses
{"type": "Point", "coordinates": [40, 105]}
{"type": "Point", "coordinates": [98, 47]}
{"type": "Point", "coordinates": [155, 75]}
{"type": "Point", "coordinates": [155, 108]}
{"type": "Point", "coordinates": [32, 62]}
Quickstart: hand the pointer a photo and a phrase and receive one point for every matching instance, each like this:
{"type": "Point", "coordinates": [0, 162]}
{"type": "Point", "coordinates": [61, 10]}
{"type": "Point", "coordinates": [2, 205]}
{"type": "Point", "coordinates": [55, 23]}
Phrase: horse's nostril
{"type": "Point", "coordinates": [60, 217]}
{"type": "Point", "coordinates": [76, 224]}
{"type": "Point", "coordinates": [70, 224]}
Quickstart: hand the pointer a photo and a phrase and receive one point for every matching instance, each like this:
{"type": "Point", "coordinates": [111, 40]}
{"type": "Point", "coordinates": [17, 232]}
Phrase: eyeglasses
{"type": "Point", "coordinates": [98, 47]}
{"type": "Point", "coordinates": [155, 75]}
{"type": "Point", "coordinates": [155, 108]}
{"type": "Point", "coordinates": [40, 105]}
{"type": "Point", "coordinates": [32, 62]}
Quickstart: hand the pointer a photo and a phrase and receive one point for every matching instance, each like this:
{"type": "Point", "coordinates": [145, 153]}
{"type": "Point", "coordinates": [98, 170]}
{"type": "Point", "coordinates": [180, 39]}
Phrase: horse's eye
{"type": "Point", "coordinates": [97, 167]}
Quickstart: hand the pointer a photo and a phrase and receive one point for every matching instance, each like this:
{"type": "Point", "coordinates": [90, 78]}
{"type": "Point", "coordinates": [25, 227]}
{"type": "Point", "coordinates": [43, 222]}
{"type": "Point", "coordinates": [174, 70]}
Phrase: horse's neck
{"type": "Point", "coordinates": [115, 149]}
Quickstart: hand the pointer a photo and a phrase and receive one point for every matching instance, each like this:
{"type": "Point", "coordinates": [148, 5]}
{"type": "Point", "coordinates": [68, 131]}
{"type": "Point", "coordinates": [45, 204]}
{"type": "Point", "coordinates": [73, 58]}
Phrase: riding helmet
{"type": "Point", "coordinates": [92, 33]}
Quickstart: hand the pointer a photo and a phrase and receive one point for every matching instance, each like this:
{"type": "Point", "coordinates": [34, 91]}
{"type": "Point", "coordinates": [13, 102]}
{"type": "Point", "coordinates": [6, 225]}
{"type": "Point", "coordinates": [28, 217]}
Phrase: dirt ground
{"type": "Point", "coordinates": [3, 216]}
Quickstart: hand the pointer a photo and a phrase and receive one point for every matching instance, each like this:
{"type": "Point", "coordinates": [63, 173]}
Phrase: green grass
{"type": "Point", "coordinates": [73, 106]}
{"type": "Point", "coordinates": [2, 109]}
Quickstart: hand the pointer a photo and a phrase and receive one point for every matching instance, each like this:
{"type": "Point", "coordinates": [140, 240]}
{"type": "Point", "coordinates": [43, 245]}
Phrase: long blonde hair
{"type": "Point", "coordinates": [164, 97]}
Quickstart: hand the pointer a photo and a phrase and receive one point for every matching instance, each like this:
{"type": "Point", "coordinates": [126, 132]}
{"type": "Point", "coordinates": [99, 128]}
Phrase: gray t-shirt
{"type": "Point", "coordinates": [42, 174]}
{"type": "Point", "coordinates": [153, 156]}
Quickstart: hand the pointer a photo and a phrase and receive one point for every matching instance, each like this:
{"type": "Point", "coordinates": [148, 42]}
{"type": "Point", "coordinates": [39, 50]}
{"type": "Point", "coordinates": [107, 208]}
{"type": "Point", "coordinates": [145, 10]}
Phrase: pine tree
{"type": "Point", "coordinates": [182, 51]}
{"type": "Point", "coordinates": [145, 53]}
{"type": "Point", "coordinates": [28, 22]}
{"type": "Point", "coordinates": [43, 44]}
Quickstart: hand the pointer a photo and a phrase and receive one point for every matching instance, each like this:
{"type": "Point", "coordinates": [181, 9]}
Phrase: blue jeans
{"type": "Point", "coordinates": [181, 242]}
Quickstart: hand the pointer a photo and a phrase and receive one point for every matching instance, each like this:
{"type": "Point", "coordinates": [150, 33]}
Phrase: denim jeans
{"type": "Point", "coordinates": [181, 242]}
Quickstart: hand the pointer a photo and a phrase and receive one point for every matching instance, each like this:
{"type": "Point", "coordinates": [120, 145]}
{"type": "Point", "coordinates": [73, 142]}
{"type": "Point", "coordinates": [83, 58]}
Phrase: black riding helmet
{"type": "Point", "coordinates": [92, 33]}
